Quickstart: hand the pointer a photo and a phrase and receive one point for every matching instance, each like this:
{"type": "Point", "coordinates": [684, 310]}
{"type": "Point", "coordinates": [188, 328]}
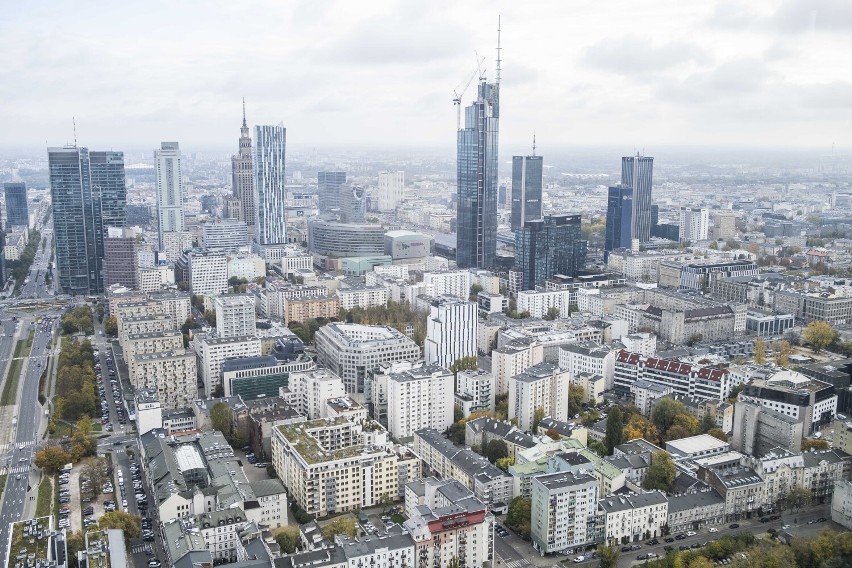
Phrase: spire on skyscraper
{"type": "Point", "coordinates": [498, 51]}
{"type": "Point", "coordinates": [244, 113]}
{"type": "Point", "coordinates": [533, 143]}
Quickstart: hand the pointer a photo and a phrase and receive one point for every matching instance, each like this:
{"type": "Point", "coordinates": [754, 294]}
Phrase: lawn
{"type": "Point", "coordinates": [45, 497]}
{"type": "Point", "coordinates": [2, 484]}
{"type": "Point", "coordinates": [10, 389]}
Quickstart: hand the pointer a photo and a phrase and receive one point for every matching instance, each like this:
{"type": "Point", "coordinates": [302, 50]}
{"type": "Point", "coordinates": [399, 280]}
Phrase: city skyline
{"type": "Point", "coordinates": [723, 74]}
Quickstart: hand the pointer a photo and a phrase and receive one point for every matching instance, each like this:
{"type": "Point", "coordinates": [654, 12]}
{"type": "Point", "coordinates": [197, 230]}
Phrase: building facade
{"type": "Point", "coordinates": [170, 189]}
{"type": "Point", "coordinates": [17, 207]}
{"type": "Point", "coordinates": [270, 184]}
{"type": "Point", "coordinates": [242, 178]}
{"type": "Point", "coordinates": [451, 330]}
{"type": "Point", "coordinates": [549, 246]}
{"type": "Point", "coordinates": [526, 189]}
{"type": "Point", "coordinates": [637, 173]}
{"type": "Point", "coordinates": [391, 190]}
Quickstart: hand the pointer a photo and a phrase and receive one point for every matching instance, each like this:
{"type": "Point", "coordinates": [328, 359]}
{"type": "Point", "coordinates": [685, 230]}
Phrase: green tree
{"type": "Point", "coordinates": [708, 422]}
{"type": "Point", "coordinates": [95, 471]}
{"type": "Point", "coordinates": [341, 525]}
{"type": "Point", "coordinates": [808, 444]}
{"type": "Point", "coordinates": [597, 447]}
{"type": "Point", "coordinates": [661, 473]}
{"type": "Point", "coordinates": [576, 398]}
{"type": "Point", "coordinates": [589, 417]}
{"type": "Point", "coordinates": [210, 317]}
{"type": "Point", "coordinates": [82, 444]}
{"type": "Point", "coordinates": [111, 326]}
{"type": "Point", "coordinates": [222, 418]}
{"type": "Point", "coordinates": [475, 289]}
{"type": "Point", "coordinates": [468, 363]}
{"type": "Point", "coordinates": [120, 520]}
{"type": "Point", "coordinates": [552, 313]}
{"type": "Point", "coordinates": [819, 335]}
{"type": "Point", "coordinates": [608, 556]}
{"type": "Point", "coordinates": [501, 411]}
{"type": "Point", "coordinates": [52, 459]}
{"type": "Point", "coordinates": [495, 450]}
{"type": "Point", "coordinates": [614, 429]}
{"type": "Point", "coordinates": [538, 414]}
{"type": "Point", "coordinates": [665, 411]}
{"type": "Point", "coordinates": [519, 516]}
{"type": "Point", "coordinates": [797, 497]}
{"type": "Point", "coordinates": [505, 463]}
{"type": "Point", "coordinates": [288, 539]}
{"type": "Point", "coordinates": [760, 351]}
{"type": "Point", "coordinates": [718, 433]}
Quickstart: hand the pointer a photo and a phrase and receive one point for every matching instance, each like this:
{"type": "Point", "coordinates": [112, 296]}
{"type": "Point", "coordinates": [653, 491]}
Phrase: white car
{"type": "Point", "coordinates": [714, 529]}
{"type": "Point", "coordinates": [785, 527]}
{"type": "Point", "coordinates": [579, 559]}
{"type": "Point", "coordinates": [690, 533]}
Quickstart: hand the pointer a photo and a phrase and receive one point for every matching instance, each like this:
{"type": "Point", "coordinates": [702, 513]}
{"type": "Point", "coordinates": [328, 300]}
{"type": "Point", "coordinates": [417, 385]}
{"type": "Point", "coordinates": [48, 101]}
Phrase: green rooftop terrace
{"type": "Point", "coordinates": [306, 444]}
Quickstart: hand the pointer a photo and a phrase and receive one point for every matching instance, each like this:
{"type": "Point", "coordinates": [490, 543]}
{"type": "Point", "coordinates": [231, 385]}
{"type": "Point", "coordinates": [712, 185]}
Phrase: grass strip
{"type": "Point", "coordinates": [10, 388]}
{"type": "Point", "coordinates": [45, 497]}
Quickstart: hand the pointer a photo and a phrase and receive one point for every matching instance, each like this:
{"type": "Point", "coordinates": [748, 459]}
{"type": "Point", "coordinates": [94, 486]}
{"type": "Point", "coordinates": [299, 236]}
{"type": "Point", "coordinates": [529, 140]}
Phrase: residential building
{"type": "Point", "coordinates": [513, 359]}
{"type": "Point", "coordinates": [451, 330]}
{"type": "Point", "coordinates": [136, 344]}
{"type": "Point", "coordinates": [270, 184]}
{"type": "Point", "coordinates": [724, 226]}
{"type": "Point", "coordinates": [475, 391]}
{"type": "Point", "coordinates": [588, 358]}
{"type": "Point", "coordinates": [541, 387]}
{"type": "Point", "coordinates": [121, 249]}
{"type": "Point", "coordinates": [213, 351]}
{"type": "Point", "coordinates": [312, 389]}
{"type": "Point", "coordinates": [695, 511]}
{"type": "Point", "coordinates": [476, 215]}
{"type": "Point", "coordinates": [172, 374]}
{"type": "Point", "coordinates": [17, 207]}
{"type": "Point", "coordinates": [683, 378]}
{"type": "Point", "coordinates": [633, 518]}
{"type": "Point", "coordinates": [447, 521]}
{"type": "Point", "coordinates": [170, 189]}
{"type": "Point", "coordinates": [362, 296]}
{"type": "Point", "coordinates": [449, 283]}
{"type": "Point", "coordinates": [795, 395]}
{"type": "Point", "coordinates": [242, 177]}
{"type": "Point", "coordinates": [419, 397]}
{"type": "Point", "coordinates": [637, 173]}
{"type": "Point", "coordinates": [391, 190]}
{"type": "Point", "coordinates": [549, 246]}
{"type": "Point", "coordinates": [227, 234]}
{"type": "Point", "coordinates": [526, 189]}
{"type": "Point", "coordinates": [351, 350]}
{"type": "Point", "coordinates": [739, 485]}
{"type": "Point", "coordinates": [693, 224]}
{"type": "Point", "coordinates": [303, 309]}
{"type": "Point", "coordinates": [234, 315]}
{"type": "Point", "coordinates": [563, 511]}
{"type": "Point", "coordinates": [758, 429]}
{"type": "Point", "coordinates": [646, 392]}
{"type": "Point", "coordinates": [700, 275]}
{"type": "Point", "coordinates": [538, 303]}
{"type": "Point", "coordinates": [88, 194]}
{"type": "Point", "coordinates": [206, 272]}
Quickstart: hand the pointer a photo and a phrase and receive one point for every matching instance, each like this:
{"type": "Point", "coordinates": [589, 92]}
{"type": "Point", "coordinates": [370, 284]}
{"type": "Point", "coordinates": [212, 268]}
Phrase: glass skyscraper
{"type": "Point", "coordinates": [526, 189]}
{"type": "Point", "coordinates": [88, 195]}
{"type": "Point", "coordinates": [170, 190]}
{"type": "Point", "coordinates": [549, 246]}
{"type": "Point", "coordinates": [619, 216]}
{"type": "Point", "coordinates": [637, 173]}
{"type": "Point", "coordinates": [269, 186]}
{"type": "Point", "coordinates": [17, 211]}
{"type": "Point", "coordinates": [328, 189]}
{"type": "Point", "coordinates": [476, 219]}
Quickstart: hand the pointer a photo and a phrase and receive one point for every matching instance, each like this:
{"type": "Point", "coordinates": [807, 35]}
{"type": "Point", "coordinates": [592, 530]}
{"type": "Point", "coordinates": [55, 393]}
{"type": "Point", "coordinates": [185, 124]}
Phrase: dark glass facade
{"type": "Point", "coordinates": [17, 211]}
{"type": "Point", "coordinates": [637, 172]}
{"type": "Point", "coordinates": [619, 215]}
{"type": "Point", "coordinates": [88, 195]}
{"type": "Point", "coordinates": [549, 246]}
{"type": "Point", "coordinates": [328, 190]}
{"type": "Point", "coordinates": [526, 189]}
{"type": "Point", "coordinates": [476, 208]}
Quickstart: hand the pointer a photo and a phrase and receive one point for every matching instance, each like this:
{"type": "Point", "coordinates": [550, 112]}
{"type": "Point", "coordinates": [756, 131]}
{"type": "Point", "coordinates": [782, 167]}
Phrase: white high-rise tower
{"type": "Point", "coordinates": [391, 190]}
{"type": "Point", "coordinates": [170, 189]}
{"type": "Point", "coordinates": [269, 187]}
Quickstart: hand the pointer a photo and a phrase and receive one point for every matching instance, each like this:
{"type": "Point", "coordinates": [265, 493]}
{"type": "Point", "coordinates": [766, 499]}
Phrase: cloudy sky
{"type": "Point", "coordinates": [382, 72]}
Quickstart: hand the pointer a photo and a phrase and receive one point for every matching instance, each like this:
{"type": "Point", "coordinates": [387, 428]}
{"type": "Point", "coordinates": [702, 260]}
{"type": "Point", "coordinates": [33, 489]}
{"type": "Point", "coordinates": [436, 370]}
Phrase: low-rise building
{"type": "Point", "coordinates": [841, 503]}
{"type": "Point", "coordinates": [695, 511]}
{"type": "Point", "coordinates": [632, 518]}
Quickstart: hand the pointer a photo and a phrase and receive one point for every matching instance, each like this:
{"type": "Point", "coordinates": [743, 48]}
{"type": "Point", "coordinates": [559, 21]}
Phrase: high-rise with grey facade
{"type": "Point", "coordinates": [170, 189]}
{"type": "Point", "coordinates": [637, 173]}
{"type": "Point", "coordinates": [549, 246]}
{"type": "Point", "coordinates": [328, 188]}
{"type": "Point", "coordinates": [88, 194]}
{"type": "Point", "coordinates": [476, 215]}
{"type": "Point", "coordinates": [526, 189]}
{"type": "Point", "coordinates": [242, 177]}
{"type": "Point", "coordinates": [17, 211]}
{"type": "Point", "coordinates": [353, 203]}
{"type": "Point", "coordinates": [269, 186]}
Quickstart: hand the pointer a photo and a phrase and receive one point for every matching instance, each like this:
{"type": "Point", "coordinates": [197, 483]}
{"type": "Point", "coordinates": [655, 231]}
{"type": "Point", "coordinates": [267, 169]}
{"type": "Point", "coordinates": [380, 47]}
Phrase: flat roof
{"type": "Point", "coordinates": [696, 444]}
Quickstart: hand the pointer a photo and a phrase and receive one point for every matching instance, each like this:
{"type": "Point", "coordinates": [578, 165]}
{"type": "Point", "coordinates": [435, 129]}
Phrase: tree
{"type": "Point", "coordinates": [597, 447]}
{"type": "Point", "coordinates": [501, 402]}
{"type": "Point", "coordinates": [222, 418]}
{"type": "Point", "coordinates": [82, 444]}
{"type": "Point", "coordinates": [576, 398]}
{"type": "Point", "coordinates": [341, 525]}
{"type": "Point", "coordinates": [718, 433]}
{"type": "Point", "coordinates": [640, 427]}
{"type": "Point", "coordinates": [708, 422]}
{"type": "Point", "coordinates": [614, 429]}
{"type": "Point", "coordinates": [505, 463]}
{"type": "Point", "coordinates": [819, 335]}
{"type": "Point", "coordinates": [608, 556]}
{"type": "Point", "coordinates": [665, 411]}
{"type": "Point", "coordinates": [688, 423]}
{"type": "Point", "coordinates": [661, 473]}
{"type": "Point", "coordinates": [74, 543]}
{"type": "Point", "coordinates": [797, 497]}
{"type": "Point", "coordinates": [475, 289]}
{"type": "Point", "coordinates": [52, 459]}
{"type": "Point", "coordinates": [288, 539]}
{"type": "Point", "coordinates": [552, 313]}
{"type": "Point", "coordinates": [467, 363]}
{"type": "Point", "coordinates": [538, 414]}
{"type": "Point", "coordinates": [120, 520]}
{"type": "Point", "coordinates": [210, 317]}
{"type": "Point", "coordinates": [808, 444]}
{"type": "Point", "coordinates": [96, 473]}
{"type": "Point", "coordinates": [111, 326]}
{"type": "Point", "coordinates": [760, 351]}
{"type": "Point", "coordinates": [589, 417]}
{"type": "Point", "coordinates": [519, 516]}
{"type": "Point", "coordinates": [495, 450]}
{"type": "Point", "coordinates": [553, 434]}
{"type": "Point", "coordinates": [782, 353]}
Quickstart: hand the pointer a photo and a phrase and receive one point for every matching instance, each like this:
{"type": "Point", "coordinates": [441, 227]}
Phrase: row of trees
{"type": "Point", "coordinates": [78, 320]}
{"type": "Point", "coordinates": [75, 383]}
{"type": "Point", "coordinates": [18, 269]}
{"type": "Point", "coordinates": [80, 444]}
{"type": "Point", "coordinates": [399, 315]}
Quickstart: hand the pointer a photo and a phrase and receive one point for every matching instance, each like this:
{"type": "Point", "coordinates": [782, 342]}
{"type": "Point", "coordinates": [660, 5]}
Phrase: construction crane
{"type": "Point", "coordinates": [477, 71]}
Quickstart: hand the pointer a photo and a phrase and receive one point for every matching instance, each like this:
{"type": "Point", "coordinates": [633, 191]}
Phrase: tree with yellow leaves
{"type": "Point", "coordinates": [640, 427]}
{"type": "Point", "coordinates": [760, 351]}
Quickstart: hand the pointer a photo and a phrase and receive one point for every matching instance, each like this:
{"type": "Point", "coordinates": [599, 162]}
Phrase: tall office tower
{"type": "Point", "coordinates": [353, 203]}
{"type": "Point", "coordinates": [88, 194]}
{"type": "Point", "coordinates": [242, 178]}
{"type": "Point", "coordinates": [328, 188]}
{"type": "Point", "coordinates": [637, 173]}
{"type": "Point", "coordinates": [526, 189]}
{"type": "Point", "coordinates": [121, 253]}
{"type": "Point", "coordinates": [476, 213]}
{"type": "Point", "coordinates": [17, 212]}
{"type": "Point", "coordinates": [619, 219]}
{"type": "Point", "coordinates": [269, 184]}
{"type": "Point", "coordinates": [655, 217]}
{"type": "Point", "coordinates": [693, 224]}
{"type": "Point", "coordinates": [451, 330]}
{"type": "Point", "coordinates": [549, 246]}
{"type": "Point", "coordinates": [2, 255]}
{"type": "Point", "coordinates": [391, 190]}
{"type": "Point", "coordinates": [501, 196]}
{"type": "Point", "coordinates": [170, 189]}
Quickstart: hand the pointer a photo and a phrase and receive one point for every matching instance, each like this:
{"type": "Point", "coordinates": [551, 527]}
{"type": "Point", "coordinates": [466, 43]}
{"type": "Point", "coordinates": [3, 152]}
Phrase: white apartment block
{"type": "Point", "coordinates": [386, 271]}
{"type": "Point", "coordinates": [174, 243]}
{"type": "Point", "coordinates": [170, 189]}
{"type": "Point", "coordinates": [249, 267]}
{"type": "Point", "coordinates": [221, 531]}
{"type": "Point", "coordinates": [643, 266]}
{"type": "Point", "coordinates": [544, 386]}
{"type": "Point", "coordinates": [632, 518]}
{"type": "Point", "coordinates": [538, 303]}
{"type": "Point", "coordinates": [453, 283]}
{"type": "Point", "coordinates": [211, 351]}
{"type": "Point", "coordinates": [683, 378]}
{"type": "Point", "coordinates": [150, 278]}
{"type": "Point", "coordinates": [362, 297]}
{"type": "Point", "coordinates": [391, 190]}
{"type": "Point", "coordinates": [312, 389]}
{"type": "Point", "coordinates": [694, 224]}
{"type": "Point", "coordinates": [420, 397]}
{"type": "Point", "coordinates": [451, 330]}
{"type": "Point", "coordinates": [447, 521]}
{"type": "Point", "coordinates": [642, 343]}
{"type": "Point", "coordinates": [143, 324]}
{"type": "Point", "coordinates": [563, 511]}
{"type": "Point", "coordinates": [172, 374]}
{"type": "Point", "coordinates": [274, 296]}
{"type": "Point", "coordinates": [352, 350]}
{"type": "Point", "coordinates": [295, 262]}
{"type": "Point", "coordinates": [208, 273]}
{"type": "Point", "coordinates": [513, 359]}
{"type": "Point", "coordinates": [588, 358]}
{"type": "Point", "coordinates": [475, 391]}
{"type": "Point", "coordinates": [176, 305]}
{"type": "Point", "coordinates": [138, 343]}
{"type": "Point", "coordinates": [234, 315]}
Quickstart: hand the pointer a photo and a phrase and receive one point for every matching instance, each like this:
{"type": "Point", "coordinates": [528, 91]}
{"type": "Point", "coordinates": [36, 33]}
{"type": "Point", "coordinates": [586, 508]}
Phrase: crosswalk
{"type": "Point", "coordinates": [140, 548]}
{"type": "Point", "coordinates": [18, 445]}
{"type": "Point", "coordinates": [522, 563]}
{"type": "Point", "coordinates": [20, 469]}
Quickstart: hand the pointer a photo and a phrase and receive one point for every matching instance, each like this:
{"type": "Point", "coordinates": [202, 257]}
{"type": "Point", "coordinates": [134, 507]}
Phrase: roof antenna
{"type": "Point", "coordinates": [498, 50]}
{"type": "Point", "coordinates": [74, 124]}
{"type": "Point", "coordinates": [244, 112]}
{"type": "Point", "coordinates": [533, 142]}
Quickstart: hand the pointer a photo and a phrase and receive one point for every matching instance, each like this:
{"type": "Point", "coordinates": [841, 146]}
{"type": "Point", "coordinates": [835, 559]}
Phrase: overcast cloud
{"type": "Point", "coordinates": [382, 72]}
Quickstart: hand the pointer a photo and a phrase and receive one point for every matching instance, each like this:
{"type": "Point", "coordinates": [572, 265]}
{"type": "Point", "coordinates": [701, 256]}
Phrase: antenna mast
{"type": "Point", "coordinates": [74, 124]}
{"type": "Point", "coordinates": [533, 142]}
{"type": "Point", "coordinates": [499, 60]}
